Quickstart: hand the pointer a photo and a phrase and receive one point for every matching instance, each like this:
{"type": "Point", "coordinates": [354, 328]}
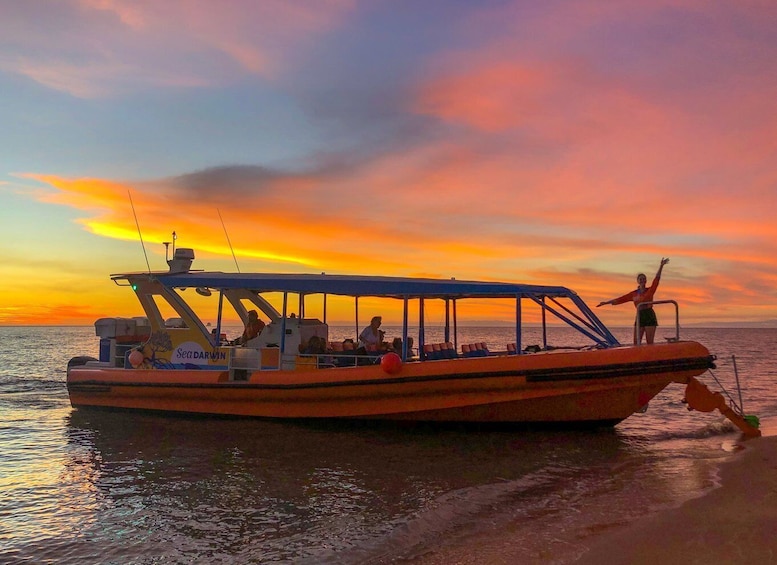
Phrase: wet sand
{"type": "Point", "coordinates": [735, 523]}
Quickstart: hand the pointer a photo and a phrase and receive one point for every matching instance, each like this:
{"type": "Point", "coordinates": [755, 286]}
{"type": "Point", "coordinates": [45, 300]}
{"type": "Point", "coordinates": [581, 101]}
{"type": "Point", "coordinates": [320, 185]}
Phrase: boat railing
{"type": "Point", "coordinates": [246, 360]}
{"type": "Point", "coordinates": [331, 360]}
{"type": "Point", "coordinates": [643, 305]}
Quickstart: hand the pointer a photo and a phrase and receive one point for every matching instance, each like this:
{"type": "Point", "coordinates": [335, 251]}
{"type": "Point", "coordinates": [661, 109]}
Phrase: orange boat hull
{"type": "Point", "coordinates": [593, 386]}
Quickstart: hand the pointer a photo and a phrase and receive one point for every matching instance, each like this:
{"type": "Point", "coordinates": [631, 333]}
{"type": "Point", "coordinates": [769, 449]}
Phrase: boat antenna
{"type": "Point", "coordinates": [229, 242]}
{"type": "Point", "coordinates": [143, 245]}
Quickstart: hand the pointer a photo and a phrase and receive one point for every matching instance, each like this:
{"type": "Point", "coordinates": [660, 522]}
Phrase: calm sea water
{"type": "Point", "coordinates": [94, 487]}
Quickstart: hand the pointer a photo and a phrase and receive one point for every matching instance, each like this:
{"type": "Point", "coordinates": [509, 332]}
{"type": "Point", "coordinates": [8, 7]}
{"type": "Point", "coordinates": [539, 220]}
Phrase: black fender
{"type": "Point", "coordinates": [78, 361]}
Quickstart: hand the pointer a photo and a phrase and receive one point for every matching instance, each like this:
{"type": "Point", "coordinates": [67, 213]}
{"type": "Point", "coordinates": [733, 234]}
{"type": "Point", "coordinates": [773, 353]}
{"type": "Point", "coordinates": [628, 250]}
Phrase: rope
{"type": "Point", "coordinates": [733, 402]}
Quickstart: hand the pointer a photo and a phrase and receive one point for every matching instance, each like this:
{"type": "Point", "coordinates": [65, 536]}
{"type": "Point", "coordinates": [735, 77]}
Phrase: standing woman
{"type": "Point", "coordinates": [647, 317]}
{"type": "Point", "coordinates": [371, 337]}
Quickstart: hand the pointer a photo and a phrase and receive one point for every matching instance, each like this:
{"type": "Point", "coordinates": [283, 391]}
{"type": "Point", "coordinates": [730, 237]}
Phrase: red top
{"type": "Point", "coordinates": [253, 329]}
{"type": "Point", "coordinates": [639, 296]}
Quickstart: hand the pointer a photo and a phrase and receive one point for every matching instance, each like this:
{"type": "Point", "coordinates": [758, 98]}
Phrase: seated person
{"type": "Point", "coordinates": [315, 346]}
{"type": "Point", "coordinates": [396, 346]}
{"type": "Point", "coordinates": [345, 357]}
{"type": "Point", "coordinates": [371, 337]}
{"type": "Point", "coordinates": [254, 327]}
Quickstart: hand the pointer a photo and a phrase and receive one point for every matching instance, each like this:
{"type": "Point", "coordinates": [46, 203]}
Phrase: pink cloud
{"type": "Point", "coordinates": [94, 48]}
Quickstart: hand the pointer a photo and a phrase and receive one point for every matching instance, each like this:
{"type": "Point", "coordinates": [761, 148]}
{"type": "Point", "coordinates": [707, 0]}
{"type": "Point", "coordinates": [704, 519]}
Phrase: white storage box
{"type": "Point", "coordinates": [114, 327]}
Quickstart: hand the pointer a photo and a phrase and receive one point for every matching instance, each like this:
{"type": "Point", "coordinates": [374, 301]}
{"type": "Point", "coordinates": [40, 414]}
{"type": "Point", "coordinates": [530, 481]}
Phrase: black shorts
{"type": "Point", "coordinates": [647, 318]}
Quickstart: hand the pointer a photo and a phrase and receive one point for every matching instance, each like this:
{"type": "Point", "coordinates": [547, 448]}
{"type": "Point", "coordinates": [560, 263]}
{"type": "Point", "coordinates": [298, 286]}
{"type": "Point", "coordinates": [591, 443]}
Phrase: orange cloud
{"type": "Point", "coordinates": [294, 234]}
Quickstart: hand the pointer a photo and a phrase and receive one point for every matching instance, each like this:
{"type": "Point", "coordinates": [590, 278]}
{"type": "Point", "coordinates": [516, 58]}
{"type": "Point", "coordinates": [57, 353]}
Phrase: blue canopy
{"type": "Point", "coordinates": [584, 321]}
{"type": "Point", "coordinates": [356, 285]}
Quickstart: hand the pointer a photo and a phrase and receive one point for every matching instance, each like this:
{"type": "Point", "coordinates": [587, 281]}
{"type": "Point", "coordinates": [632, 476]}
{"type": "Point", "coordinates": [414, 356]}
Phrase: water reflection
{"type": "Point", "coordinates": [268, 491]}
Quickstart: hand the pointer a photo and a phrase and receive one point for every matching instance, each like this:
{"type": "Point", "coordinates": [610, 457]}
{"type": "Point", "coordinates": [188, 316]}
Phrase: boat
{"type": "Point", "coordinates": [171, 360]}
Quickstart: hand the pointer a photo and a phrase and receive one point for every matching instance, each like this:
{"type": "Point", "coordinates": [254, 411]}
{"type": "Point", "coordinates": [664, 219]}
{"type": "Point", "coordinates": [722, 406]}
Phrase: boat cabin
{"type": "Point", "coordinates": [186, 312]}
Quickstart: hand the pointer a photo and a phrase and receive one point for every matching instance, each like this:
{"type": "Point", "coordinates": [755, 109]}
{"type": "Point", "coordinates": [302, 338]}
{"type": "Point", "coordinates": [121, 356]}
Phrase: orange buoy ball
{"type": "Point", "coordinates": [135, 358]}
{"type": "Point", "coordinates": [391, 363]}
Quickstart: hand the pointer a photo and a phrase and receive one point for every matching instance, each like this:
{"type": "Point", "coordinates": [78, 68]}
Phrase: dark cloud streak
{"type": "Point", "coordinates": [233, 179]}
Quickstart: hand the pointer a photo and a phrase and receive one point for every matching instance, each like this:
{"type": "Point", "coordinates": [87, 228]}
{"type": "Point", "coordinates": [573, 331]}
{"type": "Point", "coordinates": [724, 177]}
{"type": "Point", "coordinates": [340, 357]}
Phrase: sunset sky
{"type": "Point", "coordinates": [555, 142]}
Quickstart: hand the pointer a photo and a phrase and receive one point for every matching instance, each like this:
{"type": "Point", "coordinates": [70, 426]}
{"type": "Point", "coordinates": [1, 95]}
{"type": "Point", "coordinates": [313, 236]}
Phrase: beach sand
{"type": "Point", "coordinates": [735, 523]}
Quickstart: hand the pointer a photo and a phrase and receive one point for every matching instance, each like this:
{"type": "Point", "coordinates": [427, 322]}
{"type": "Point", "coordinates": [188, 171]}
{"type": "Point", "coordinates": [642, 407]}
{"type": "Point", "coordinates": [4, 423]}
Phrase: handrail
{"type": "Point", "coordinates": [676, 317]}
